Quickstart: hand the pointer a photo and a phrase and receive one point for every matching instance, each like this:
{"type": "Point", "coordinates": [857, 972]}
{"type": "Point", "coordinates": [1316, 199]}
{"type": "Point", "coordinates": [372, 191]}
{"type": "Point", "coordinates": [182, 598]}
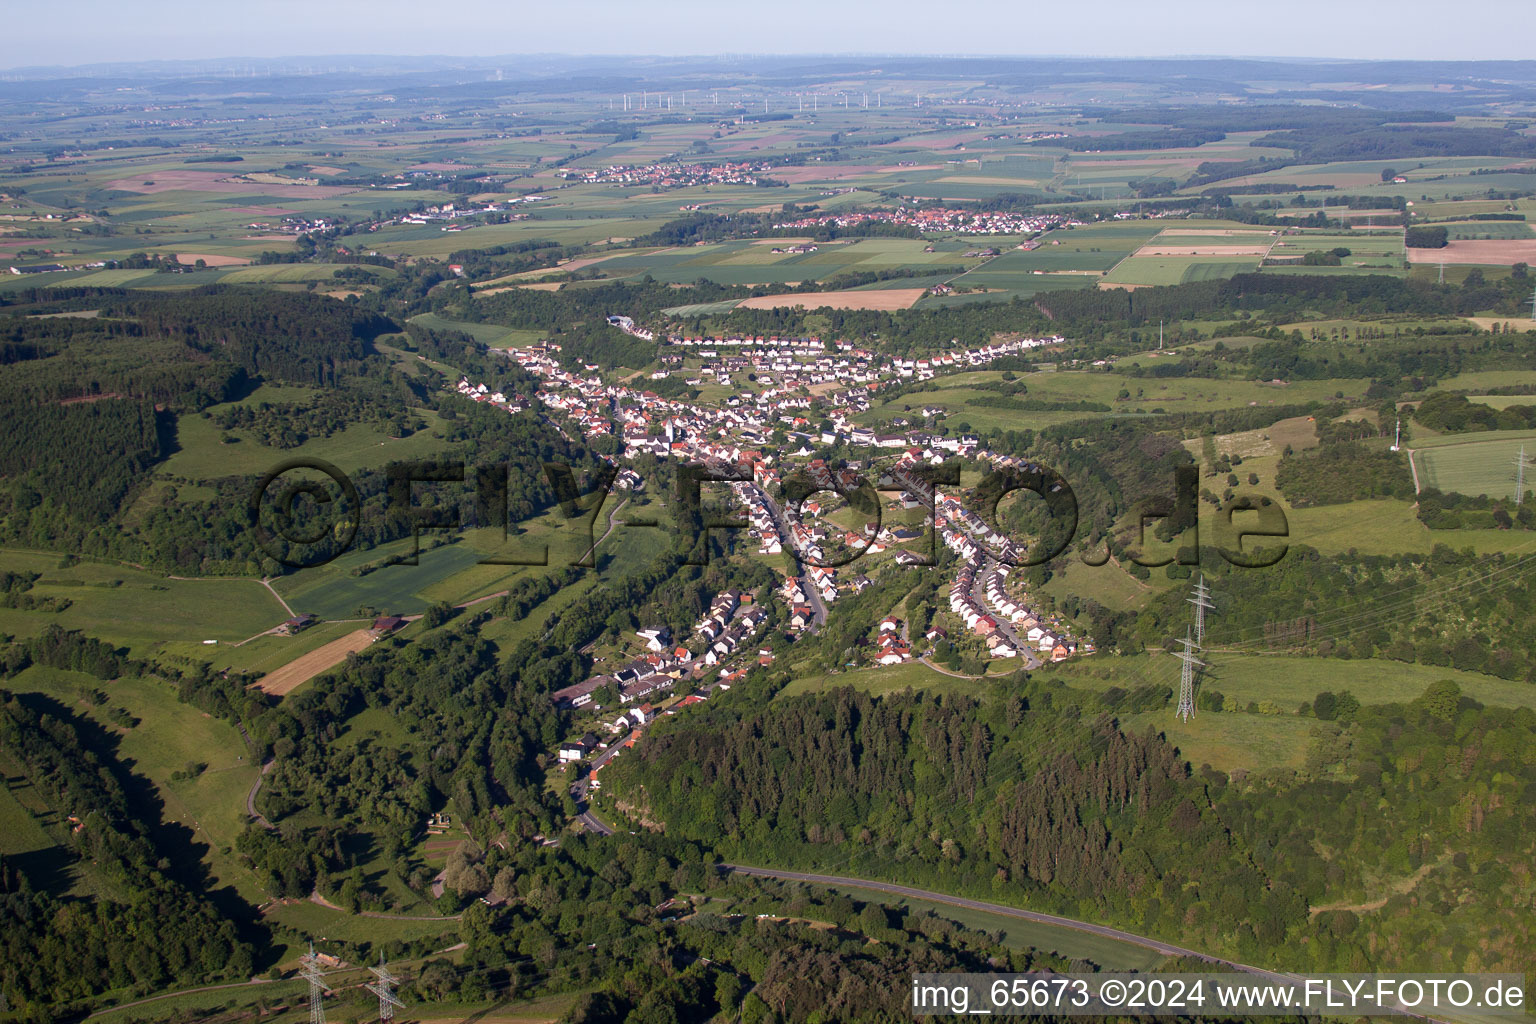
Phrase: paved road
{"type": "Point", "coordinates": [812, 595]}
{"type": "Point", "coordinates": [581, 787]}
{"type": "Point", "coordinates": [1167, 949]}
{"type": "Point", "coordinates": [1157, 945]}
{"type": "Point", "coordinates": [1026, 650]}
{"type": "Point", "coordinates": [987, 566]}
{"type": "Point", "coordinates": [593, 823]}
{"type": "Point", "coordinates": [250, 797]}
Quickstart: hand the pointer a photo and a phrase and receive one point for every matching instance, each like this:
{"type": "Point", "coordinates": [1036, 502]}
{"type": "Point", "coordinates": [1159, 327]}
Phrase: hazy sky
{"type": "Point", "coordinates": [88, 31]}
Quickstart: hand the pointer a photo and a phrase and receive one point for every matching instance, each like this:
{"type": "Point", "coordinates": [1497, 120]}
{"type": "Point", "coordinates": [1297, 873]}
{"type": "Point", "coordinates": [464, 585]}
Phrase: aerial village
{"type": "Point", "coordinates": [812, 391]}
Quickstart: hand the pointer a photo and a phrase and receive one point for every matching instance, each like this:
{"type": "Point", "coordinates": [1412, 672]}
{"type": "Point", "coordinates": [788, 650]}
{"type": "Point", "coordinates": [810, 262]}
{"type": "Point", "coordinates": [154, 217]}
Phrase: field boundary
{"type": "Point", "coordinates": [280, 682]}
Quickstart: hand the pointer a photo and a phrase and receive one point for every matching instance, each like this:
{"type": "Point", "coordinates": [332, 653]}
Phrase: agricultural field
{"type": "Point", "coordinates": [1468, 230]}
{"type": "Point", "coordinates": [1502, 252]}
{"type": "Point", "coordinates": [1474, 464]}
{"type": "Point", "coordinates": [756, 262]}
{"type": "Point", "coordinates": [283, 681]}
{"type": "Point", "coordinates": [1140, 271]}
{"type": "Point", "coordinates": [333, 592]}
{"type": "Point", "coordinates": [1369, 252]}
{"type": "Point", "coordinates": [260, 654]}
{"type": "Point", "coordinates": [884, 299]}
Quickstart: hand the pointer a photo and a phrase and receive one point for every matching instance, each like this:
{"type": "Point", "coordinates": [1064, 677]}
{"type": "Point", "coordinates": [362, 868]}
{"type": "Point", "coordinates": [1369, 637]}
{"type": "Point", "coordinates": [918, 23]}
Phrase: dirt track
{"type": "Point", "coordinates": [1153, 249]}
{"type": "Point", "coordinates": [304, 668]}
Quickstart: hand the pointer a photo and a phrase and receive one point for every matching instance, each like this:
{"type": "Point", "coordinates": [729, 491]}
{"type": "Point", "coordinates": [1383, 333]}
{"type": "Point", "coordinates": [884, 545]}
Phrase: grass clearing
{"type": "Point", "coordinates": [137, 609]}
{"type": "Point", "coordinates": [20, 831]}
{"type": "Point", "coordinates": [327, 925]}
{"type": "Point", "coordinates": [891, 679]}
{"type": "Point", "coordinates": [333, 592]}
{"type": "Point", "coordinates": [1108, 584]}
{"type": "Point", "coordinates": [1232, 742]}
{"type": "Point", "coordinates": [1289, 679]}
{"type": "Point", "coordinates": [170, 737]}
{"type": "Point", "coordinates": [493, 335]}
{"type": "Point", "coordinates": [203, 455]}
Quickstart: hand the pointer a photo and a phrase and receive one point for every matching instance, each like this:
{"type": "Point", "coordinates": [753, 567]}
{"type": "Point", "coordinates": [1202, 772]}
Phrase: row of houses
{"type": "Point", "coordinates": [725, 634]}
{"type": "Point", "coordinates": [890, 647]}
{"type": "Point", "coordinates": [721, 609]}
{"type": "Point", "coordinates": [976, 618]}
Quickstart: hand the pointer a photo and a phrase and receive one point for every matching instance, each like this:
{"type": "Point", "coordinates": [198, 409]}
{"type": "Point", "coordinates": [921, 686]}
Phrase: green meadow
{"type": "Point", "coordinates": [139, 610]}
{"type": "Point", "coordinates": [202, 454]}
{"type": "Point", "coordinates": [1250, 741]}
{"type": "Point", "coordinates": [1475, 464]}
{"type": "Point", "coordinates": [169, 739]}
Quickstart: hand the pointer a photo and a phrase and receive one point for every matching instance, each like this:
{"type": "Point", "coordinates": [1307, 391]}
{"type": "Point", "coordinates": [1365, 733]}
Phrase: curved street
{"type": "Point", "coordinates": [1157, 945]}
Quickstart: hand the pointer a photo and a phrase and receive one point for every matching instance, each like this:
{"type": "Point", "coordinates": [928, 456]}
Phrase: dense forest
{"type": "Point", "coordinates": [98, 404]}
{"type": "Point", "coordinates": [1333, 474]}
{"type": "Point", "coordinates": [1450, 413]}
{"type": "Point", "coordinates": [1446, 608]}
{"type": "Point", "coordinates": [1021, 799]}
{"type": "Point", "coordinates": [149, 928]}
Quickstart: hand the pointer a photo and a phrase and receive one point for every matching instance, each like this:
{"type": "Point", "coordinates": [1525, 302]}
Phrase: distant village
{"type": "Point", "coordinates": [939, 220]}
{"type": "Point", "coordinates": [670, 175]}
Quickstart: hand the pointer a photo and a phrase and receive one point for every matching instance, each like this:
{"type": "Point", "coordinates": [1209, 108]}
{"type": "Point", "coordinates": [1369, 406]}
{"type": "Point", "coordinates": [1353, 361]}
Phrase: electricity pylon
{"type": "Point", "coordinates": [1520, 476]}
{"type": "Point", "coordinates": [1187, 678]}
{"type": "Point", "coordinates": [309, 970]}
{"type": "Point", "coordinates": [1201, 600]}
{"type": "Point", "coordinates": [383, 989]}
